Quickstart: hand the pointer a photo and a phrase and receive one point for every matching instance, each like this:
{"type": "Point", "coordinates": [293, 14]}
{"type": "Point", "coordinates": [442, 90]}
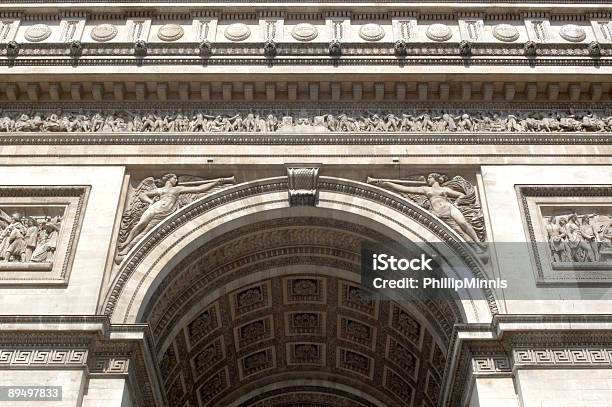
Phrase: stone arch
{"type": "Point", "coordinates": [173, 239]}
{"type": "Point", "coordinates": [225, 283]}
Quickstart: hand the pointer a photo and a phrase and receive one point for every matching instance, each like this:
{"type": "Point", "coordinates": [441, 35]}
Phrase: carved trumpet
{"type": "Point", "coordinates": [228, 180]}
{"type": "Point", "coordinates": [371, 180]}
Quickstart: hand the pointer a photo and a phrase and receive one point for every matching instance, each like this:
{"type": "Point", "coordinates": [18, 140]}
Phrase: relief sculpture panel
{"type": "Point", "coordinates": [29, 237]}
{"type": "Point", "coordinates": [153, 200]}
{"type": "Point", "coordinates": [453, 200]}
{"type": "Point", "coordinates": [585, 238]}
{"type": "Point", "coordinates": [39, 228]}
{"type": "Point", "coordinates": [570, 231]}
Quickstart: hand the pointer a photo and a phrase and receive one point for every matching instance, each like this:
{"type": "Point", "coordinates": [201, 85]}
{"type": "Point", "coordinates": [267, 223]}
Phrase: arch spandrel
{"type": "Point", "coordinates": [172, 240]}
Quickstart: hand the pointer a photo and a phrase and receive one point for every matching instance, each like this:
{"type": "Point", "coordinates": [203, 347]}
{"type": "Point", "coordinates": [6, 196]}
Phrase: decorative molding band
{"type": "Point", "coordinates": [562, 357]}
{"type": "Point", "coordinates": [365, 138]}
{"type": "Point", "coordinates": [43, 358]}
{"type": "Point", "coordinates": [109, 364]}
{"type": "Point", "coordinates": [491, 365]}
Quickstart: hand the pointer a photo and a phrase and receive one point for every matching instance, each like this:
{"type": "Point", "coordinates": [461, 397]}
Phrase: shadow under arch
{"type": "Point", "coordinates": [150, 261]}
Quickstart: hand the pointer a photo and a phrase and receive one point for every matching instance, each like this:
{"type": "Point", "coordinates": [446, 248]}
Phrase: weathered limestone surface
{"type": "Point", "coordinates": [229, 162]}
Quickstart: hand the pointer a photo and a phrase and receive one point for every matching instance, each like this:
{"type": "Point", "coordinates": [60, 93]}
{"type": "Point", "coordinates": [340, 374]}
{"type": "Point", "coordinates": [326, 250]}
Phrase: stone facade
{"type": "Point", "coordinates": [187, 188]}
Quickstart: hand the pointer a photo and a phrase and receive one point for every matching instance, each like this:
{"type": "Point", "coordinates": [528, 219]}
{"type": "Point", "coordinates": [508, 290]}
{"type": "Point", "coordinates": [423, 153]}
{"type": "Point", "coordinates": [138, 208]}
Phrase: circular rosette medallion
{"type": "Point", "coordinates": [572, 33]}
{"type": "Point", "coordinates": [237, 32]}
{"type": "Point", "coordinates": [38, 32]}
{"type": "Point", "coordinates": [505, 32]}
{"type": "Point", "coordinates": [304, 32]}
{"type": "Point", "coordinates": [371, 32]}
{"type": "Point", "coordinates": [439, 32]}
{"type": "Point", "coordinates": [104, 32]}
{"type": "Point", "coordinates": [170, 32]}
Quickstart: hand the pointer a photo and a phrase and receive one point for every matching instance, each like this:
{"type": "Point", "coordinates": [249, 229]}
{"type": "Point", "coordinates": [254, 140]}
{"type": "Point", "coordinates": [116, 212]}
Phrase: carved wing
{"type": "Point", "coordinates": [468, 204]}
{"type": "Point", "coordinates": [135, 207]}
{"type": "Point", "coordinates": [420, 200]}
{"type": "Point", "coordinates": [186, 199]}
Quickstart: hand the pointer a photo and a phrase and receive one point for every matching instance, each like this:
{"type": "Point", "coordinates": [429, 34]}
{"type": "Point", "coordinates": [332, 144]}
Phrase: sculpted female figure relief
{"type": "Point", "coordinates": [154, 200]}
{"type": "Point", "coordinates": [453, 201]}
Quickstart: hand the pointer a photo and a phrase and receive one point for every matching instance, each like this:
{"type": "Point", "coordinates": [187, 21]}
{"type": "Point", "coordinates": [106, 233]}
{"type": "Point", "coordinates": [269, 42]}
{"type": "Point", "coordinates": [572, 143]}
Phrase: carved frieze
{"type": "Point", "coordinates": [550, 121]}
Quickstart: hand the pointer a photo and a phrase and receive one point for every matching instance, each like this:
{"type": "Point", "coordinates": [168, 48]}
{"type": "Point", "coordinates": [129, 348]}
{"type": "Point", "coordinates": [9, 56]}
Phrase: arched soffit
{"type": "Point", "coordinates": [164, 247]}
{"type": "Point", "coordinates": [307, 322]}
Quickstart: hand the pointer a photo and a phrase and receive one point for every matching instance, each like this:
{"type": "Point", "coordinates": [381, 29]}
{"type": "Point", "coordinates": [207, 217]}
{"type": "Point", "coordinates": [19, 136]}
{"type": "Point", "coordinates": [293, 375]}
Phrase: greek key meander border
{"type": "Point", "coordinates": [275, 185]}
{"type": "Point", "coordinates": [43, 357]}
{"type": "Point", "coordinates": [542, 357]}
{"type": "Point", "coordinates": [79, 191]}
{"type": "Point", "coordinates": [573, 190]}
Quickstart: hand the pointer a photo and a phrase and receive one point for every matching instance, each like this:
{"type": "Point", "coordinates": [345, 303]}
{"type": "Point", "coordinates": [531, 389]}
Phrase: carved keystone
{"type": "Point", "coordinates": [303, 184]}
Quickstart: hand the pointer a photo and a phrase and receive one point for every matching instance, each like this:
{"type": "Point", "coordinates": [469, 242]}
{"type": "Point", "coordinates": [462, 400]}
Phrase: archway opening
{"type": "Point", "coordinates": [273, 313]}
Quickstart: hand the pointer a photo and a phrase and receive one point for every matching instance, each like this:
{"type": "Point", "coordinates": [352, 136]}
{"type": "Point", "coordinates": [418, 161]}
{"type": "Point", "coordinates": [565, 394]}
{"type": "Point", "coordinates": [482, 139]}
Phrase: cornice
{"type": "Point", "coordinates": [87, 342]}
